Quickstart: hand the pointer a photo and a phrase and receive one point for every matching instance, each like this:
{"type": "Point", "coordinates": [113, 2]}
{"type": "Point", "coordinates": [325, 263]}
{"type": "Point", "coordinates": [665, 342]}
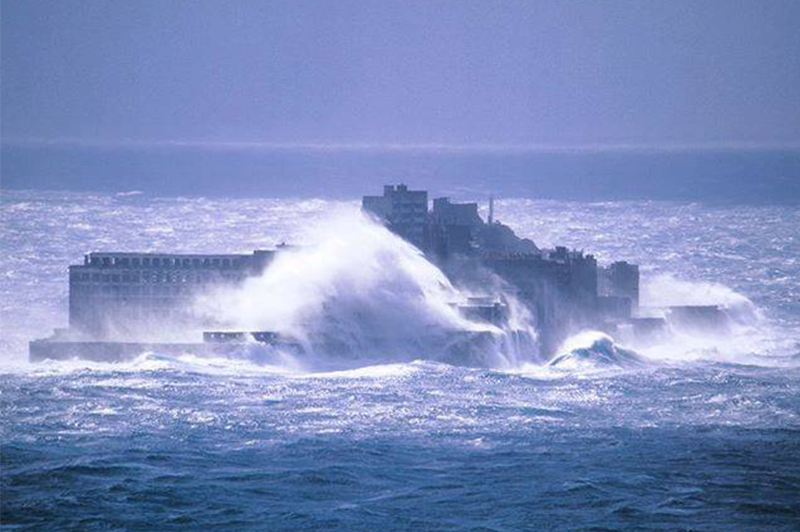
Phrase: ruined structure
{"type": "Point", "coordinates": [560, 286]}
{"type": "Point", "coordinates": [404, 211]}
{"type": "Point", "coordinates": [117, 299]}
{"type": "Point", "coordinates": [118, 294]}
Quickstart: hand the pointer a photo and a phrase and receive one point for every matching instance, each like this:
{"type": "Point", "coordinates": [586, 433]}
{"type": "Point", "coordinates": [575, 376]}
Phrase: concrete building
{"type": "Point", "coordinates": [452, 227]}
{"type": "Point", "coordinates": [614, 307]}
{"type": "Point", "coordinates": [404, 211]}
{"type": "Point", "coordinates": [620, 279]}
{"type": "Point", "coordinates": [118, 293]}
{"type": "Point", "coordinates": [558, 286]}
{"type": "Point", "coordinates": [447, 213]}
{"type": "Point", "coordinates": [120, 299]}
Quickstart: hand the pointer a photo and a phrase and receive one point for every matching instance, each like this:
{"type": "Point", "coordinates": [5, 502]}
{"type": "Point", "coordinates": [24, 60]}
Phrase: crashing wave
{"type": "Point", "coordinates": [595, 349]}
{"type": "Point", "coordinates": [357, 291]}
{"type": "Point", "coordinates": [665, 291]}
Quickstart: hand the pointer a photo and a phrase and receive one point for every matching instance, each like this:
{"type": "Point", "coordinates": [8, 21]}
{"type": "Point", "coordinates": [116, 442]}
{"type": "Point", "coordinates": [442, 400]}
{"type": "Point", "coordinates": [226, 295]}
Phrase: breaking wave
{"type": "Point", "coordinates": [371, 285]}
{"type": "Point", "coordinates": [366, 295]}
{"type": "Point", "coordinates": [665, 290]}
{"type": "Point", "coordinates": [355, 294]}
{"type": "Point", "coordinates": [595, 350]}
{"type": "Point", "coordinates": [736, 330]}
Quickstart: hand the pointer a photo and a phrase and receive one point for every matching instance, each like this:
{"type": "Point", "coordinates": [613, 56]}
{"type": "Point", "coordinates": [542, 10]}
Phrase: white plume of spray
{"type": "Point", "coordinates": [743, 332]}
{"type": "Point", "coordinates": [664, 290]}
{"type": "Point", "coordinates": [352, 283]}
{"type": "Point", "coordinates": [518, 341]}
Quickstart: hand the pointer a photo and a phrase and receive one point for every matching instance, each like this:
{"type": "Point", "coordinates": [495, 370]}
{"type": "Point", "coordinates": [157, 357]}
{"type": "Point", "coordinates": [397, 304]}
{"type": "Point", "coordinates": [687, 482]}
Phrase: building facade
{"type": "Point", "coordinates": [404, 211]}
{"type": "Point", "coordinates": [564, 289]}
{"type": "Point", "coordinates": [620, 279]}
{"type": "Point", "coordinates": [115, 294]}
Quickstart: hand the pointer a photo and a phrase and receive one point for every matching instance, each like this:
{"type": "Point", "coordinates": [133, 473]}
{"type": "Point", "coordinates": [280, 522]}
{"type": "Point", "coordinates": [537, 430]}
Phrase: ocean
{"type": "Point", "coordinates": [702, 433]}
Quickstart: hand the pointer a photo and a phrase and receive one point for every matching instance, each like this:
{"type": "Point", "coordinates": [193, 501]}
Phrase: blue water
{"type": "Point", "coordinates": [702, 433]}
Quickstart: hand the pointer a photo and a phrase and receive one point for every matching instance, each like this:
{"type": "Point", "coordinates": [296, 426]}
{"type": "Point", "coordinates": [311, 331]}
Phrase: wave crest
{"type": "Point", "coordinates": [594, 349]}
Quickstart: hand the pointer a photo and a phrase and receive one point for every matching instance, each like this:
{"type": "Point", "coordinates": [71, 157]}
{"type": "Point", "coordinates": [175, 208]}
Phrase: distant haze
{"type": "Point", "coordinates": [739, 176]}
{"type": "Point", "coordinates": [603, 98]}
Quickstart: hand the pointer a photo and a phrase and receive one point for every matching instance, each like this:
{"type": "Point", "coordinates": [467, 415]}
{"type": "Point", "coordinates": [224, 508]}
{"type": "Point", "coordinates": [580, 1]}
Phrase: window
{"type": "Point", "coordinates": [146, 262]}
{"type": "Point", "coordinates": [135, 262]}
{"type": "Point", "coordinates": [156, 262]}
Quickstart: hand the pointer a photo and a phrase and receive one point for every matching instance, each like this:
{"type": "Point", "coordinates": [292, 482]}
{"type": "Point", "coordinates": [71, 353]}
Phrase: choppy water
{"type": "Point", "coordinates": [703, 435]}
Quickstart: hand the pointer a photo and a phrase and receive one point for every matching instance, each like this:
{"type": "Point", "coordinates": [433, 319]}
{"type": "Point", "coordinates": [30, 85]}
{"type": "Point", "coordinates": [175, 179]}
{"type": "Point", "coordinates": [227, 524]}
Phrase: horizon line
{"type": "Point", "coordinates": [510, 148]}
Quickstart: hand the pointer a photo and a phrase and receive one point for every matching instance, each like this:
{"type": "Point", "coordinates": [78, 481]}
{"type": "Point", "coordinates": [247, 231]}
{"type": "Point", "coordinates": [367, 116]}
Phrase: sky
{"type": "Point", "coordinates": [402, 73]}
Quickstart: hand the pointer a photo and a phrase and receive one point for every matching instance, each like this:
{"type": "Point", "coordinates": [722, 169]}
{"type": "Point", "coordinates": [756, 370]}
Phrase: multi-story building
{"type": "Point", "coordinates": [113, 294]}
{"type": "Point", "coordinates": [559, 286]}
{"type": "Point", "coordinates": [404, 211]}
{"type": "Point", "coordinates": [449, 213]}
{"type": "Point", "coordinates": [116, 298]}
{"type": "Point", "coordinates": [452, 227]}
{"type": "Point", "coordinates": [620, 280]}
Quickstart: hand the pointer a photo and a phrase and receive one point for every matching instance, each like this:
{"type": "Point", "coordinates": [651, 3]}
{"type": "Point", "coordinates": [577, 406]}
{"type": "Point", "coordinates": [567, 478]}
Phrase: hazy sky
{"type": "Point", "coordinates": [407, 72]}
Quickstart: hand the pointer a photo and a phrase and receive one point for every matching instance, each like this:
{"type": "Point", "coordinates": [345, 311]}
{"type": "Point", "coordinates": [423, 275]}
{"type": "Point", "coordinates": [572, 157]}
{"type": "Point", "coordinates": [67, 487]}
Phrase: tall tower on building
{"type": "Point", "coordinates": [491, 210]}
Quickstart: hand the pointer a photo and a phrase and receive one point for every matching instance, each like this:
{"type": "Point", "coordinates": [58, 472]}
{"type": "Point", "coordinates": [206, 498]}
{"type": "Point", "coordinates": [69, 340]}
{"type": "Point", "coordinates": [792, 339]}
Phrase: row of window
{"type": "Point", "coordinates": [154, 277]}
{"type": "Point", "coordinates": [94, 319]}
{"type": "Point", "coordinates": [135, 290]}
{"type": "Point", "coordinates": [165, 262]}
{"type": "Point", "coordinates": [419, 207]}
